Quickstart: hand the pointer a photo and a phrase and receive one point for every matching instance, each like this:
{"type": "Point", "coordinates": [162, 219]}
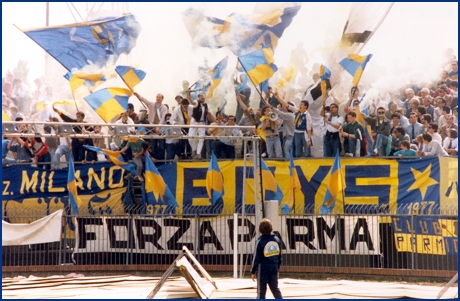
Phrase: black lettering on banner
{"type": "Point", "coordinates": [84, 236]}
{"type": "Point", "coordinates": [400, 240]}
{"type": "Point", "coordinates": [142, 238]}
{"type": "Point", "coordinates": [277, 234]}
{"type": "Point", "coordinates": [305, 238]}
{"type": "Point", "coordinates": [439, 243]}
{"type": "Point", "coordinates": [124, 223]}
{"type": "Point", "coordinates": [322, 228]}
{"type": "Point", "coordinates": [248, 236]}
{"type": "Point", "coordinates": [365, 237]}
{"type": "Point", "coordinates": [211, 239]}
{"type": "Point", "coordinates": [183, 225]}
{"type": "Point", "coordinates": [426, 244]}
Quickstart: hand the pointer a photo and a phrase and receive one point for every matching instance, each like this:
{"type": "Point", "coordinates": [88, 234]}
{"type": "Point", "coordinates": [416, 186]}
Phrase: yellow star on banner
{"type": "Point", "coordinates": [422, 180]}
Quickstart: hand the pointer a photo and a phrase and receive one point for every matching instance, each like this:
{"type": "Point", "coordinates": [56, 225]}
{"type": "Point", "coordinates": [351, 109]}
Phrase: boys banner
{"type": "Point", "coordinates": [418, 186]}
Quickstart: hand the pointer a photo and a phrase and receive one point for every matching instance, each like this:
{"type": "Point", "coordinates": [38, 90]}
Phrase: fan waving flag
{"type": "Point", "coordinates": [259, 65]}
{"type": "Point", "coordinates": [324, 75]}
{"type": "Point", "coordinates": [294, 186]}
{"type": "Point", "coordinates": [76, 80]}
{"type": "Point", "coordinates": [109, 102]}
{"type": "Point", "coordinates": [272, 190]}
{"type": "Point", "coordinates": [242, 34]}
{"type": "Point", "coordinates": [130, 75]}
{"type": "Point", "coordinates": [80, 44]}
{"type": "Point", "coordinates": [156, 190]}
{"type": "Point", "coordinates": [355, 64]}
{"type": "Point", "coordinates": [216, 76]}
{"type": "Point", "coordinates": [74, 200]}
{"type": "Point", "coordinates": [214, 181]}
{"type": "Point", "coordinates": [115, 157]}
{"type": "Point", "coordinates": [336, 186]}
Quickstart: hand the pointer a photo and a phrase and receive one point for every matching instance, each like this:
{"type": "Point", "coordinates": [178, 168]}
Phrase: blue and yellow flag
{"type": "Point", "coordinates": [216, 76]}
{"type": "Point", "coordinates": [355, 64]}
{"type": "Point", "coordinates": [115, 157]}
{"type": "Point", "coordinates": [74, 200]}
{"type": "Point", "coordinates": [336, 186]}
{"type": "Point", "coordinates": [242, 34]}
{"type": "Point", "coordinates": [130, 75]}
{"type": "Point", "coordinates": [109, 102]}
{"type": "Point", "coordinates": [272, 190]}
{"type": "Point", "coordinates": [324, 75]}
{"type": "Point", "coordinates": [294, 186]}
{"type": "Point", "coordinates": [78, 79]}
{"type": "Point", "coordinates": [214, 181]}
{"type": "Point", "coordinates": [259, 65]}
{"type": "Point", "coordinates": [156, 190]}
{"type": "Point", "coordinates": [80, 44]}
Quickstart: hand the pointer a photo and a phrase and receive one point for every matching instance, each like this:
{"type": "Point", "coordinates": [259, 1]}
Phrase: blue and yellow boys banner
{"type": "Point", "coordinates": [412, 186]}
{"type": "Point", "coordinates": [416, 186]}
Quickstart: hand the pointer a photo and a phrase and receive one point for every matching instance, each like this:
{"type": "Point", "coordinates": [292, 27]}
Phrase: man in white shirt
{"type": "Point", "coordinates": [431, 148]}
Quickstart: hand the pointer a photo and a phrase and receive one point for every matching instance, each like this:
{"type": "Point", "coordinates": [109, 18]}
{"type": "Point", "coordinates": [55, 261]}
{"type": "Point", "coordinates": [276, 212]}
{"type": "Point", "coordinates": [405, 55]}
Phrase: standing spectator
{"type": "Point", "coordinates": [380, 132]}
{"type": "Point", "coordinates": [182, 116]}
{"type": "Point", "coordinates": [14, 113]}
{"type": "Point", "coordinates": [157, 114]}
{"type": "Point", "coordinates": [172, 143]}
{"type": "Point", "coordinates": [333, 122]}
{"type": "Point", "coordinates": [131, 112]}
{"type": "Point", "coordinates": [303, 130]}
{"type": "Point", "coordinates": [352, 132]}
{"type": "Point", "coordinates": [270, 128]}
{"type": "Point", "coordinates": [244, 93]}
{"type": "Point", "coordinates": [286, 114]}
{"type": "Point", "coordinates": [266, 261]}
{"type": "Point", "coordinates": [22, 94]}
{"type": "Point", "coordinates": [199, 114]}
{"type": "Point", "coordinates": [268, 98]}
{"type": "Point", "coordinates": [225, 148]}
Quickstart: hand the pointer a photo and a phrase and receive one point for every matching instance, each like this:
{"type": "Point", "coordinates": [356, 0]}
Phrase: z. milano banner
{"type": "Point", "coordinates": [316, 234]}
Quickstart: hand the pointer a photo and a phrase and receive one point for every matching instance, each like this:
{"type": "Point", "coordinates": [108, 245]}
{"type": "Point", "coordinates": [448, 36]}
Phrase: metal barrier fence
{"type": "Point", "coordinates": [364, 237]}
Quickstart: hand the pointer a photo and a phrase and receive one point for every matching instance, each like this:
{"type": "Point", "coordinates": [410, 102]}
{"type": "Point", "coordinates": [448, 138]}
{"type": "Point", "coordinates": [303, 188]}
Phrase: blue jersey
{"type": "Point", "coordinates": [267, 251]}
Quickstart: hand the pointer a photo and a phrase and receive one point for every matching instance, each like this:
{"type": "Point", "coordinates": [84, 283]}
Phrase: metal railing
{"type": "Point", "coordinates": [364, 238]}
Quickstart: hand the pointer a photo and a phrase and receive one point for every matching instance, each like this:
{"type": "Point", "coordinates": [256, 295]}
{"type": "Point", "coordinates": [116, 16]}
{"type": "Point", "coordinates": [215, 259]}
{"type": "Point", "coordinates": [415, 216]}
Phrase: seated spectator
{"type": "Point", "coordinates": [352, 132]}
{"type": "Point", "coordinates": [405, 151]}
{"type": "Point", "coordinates": [450, 142]}
{"type": "Point", "coordinates": [431, 148]}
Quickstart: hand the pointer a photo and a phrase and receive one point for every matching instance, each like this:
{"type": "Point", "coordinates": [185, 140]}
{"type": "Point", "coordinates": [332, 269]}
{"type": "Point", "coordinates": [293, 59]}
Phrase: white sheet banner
{"type": "Point", "coordinates": [47, 229]}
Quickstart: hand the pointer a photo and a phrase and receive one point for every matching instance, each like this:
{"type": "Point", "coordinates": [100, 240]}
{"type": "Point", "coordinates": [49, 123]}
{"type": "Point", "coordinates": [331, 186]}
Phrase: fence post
{"type": "Point", "coordinates": [235, 245]}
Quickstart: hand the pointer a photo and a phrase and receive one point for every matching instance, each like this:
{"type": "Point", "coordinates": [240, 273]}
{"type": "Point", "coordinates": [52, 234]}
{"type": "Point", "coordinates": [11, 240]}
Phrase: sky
{"type": "Point", "coordinates": [408, 47]}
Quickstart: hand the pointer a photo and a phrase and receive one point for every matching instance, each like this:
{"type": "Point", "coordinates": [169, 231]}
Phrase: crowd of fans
{"type": "Point", "coordinates": [420, 121]}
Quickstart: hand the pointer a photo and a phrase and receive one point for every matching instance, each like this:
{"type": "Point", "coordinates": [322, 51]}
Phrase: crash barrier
{"type": "Point", "coordinates": [362, 240]}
